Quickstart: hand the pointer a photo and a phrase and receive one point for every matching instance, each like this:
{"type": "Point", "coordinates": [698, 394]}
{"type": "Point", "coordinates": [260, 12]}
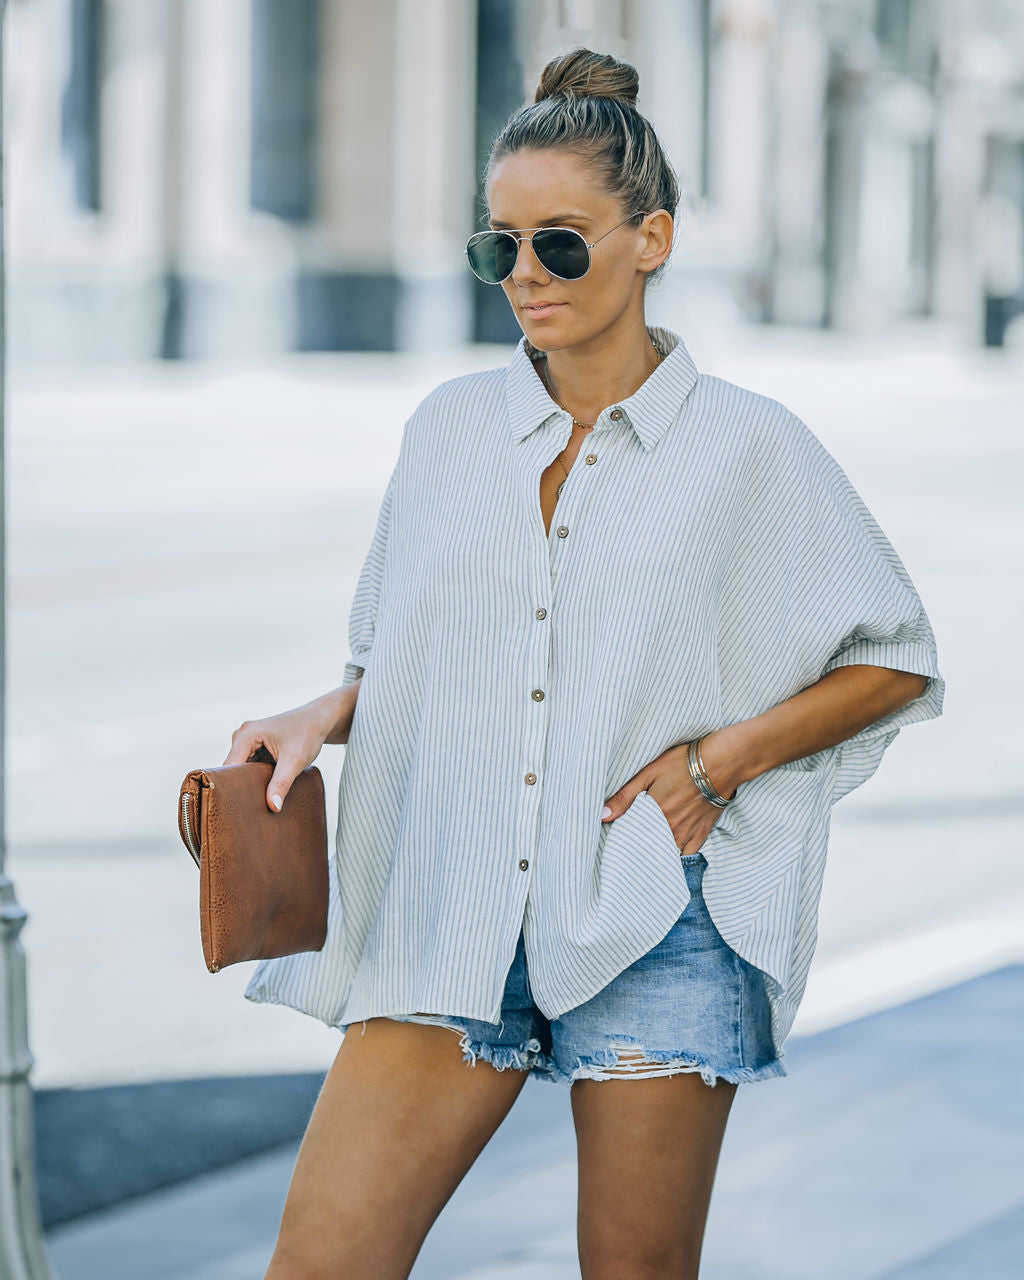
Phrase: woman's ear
{"type": "Point", "coordinates": [658, 229]}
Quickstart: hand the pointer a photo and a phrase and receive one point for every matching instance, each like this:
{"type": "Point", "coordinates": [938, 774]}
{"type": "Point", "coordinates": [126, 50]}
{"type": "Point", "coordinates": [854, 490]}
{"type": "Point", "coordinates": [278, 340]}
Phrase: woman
{"type": "Point", "coordinates": [624, 634]}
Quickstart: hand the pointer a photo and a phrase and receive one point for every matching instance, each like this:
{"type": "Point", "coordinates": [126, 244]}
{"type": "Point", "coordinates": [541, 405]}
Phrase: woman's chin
{"type": "Point", "coordinates": [548, 335]}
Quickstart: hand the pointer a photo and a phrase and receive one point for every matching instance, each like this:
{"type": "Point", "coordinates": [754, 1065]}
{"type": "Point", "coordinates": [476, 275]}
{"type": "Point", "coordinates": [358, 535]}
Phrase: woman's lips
{"type": "Point", "coordinates": [539, 310]}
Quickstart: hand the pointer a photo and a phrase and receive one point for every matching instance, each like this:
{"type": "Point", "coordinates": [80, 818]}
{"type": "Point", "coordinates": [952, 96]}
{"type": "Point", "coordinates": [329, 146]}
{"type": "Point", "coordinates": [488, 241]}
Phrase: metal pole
{"type": "Point", "coordinates": [22, 1252]}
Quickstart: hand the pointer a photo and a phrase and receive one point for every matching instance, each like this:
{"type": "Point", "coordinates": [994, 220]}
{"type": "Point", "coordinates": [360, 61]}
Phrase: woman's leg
{"type": "Point", "coordinates": [399, 1122]}
{"type": "Point", "coordinates": [648, 1151]}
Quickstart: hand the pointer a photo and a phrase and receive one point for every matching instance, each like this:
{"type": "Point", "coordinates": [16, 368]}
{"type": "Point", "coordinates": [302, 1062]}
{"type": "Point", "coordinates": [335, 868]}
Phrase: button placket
{"type": "Point", "coordinates": [540, 612]}
{"type": "Point", "coordinates": [531, 778]}
{"type": "Point", "coordinates": [565, 490]}
{"type": "Point", "coordinates": [538, 733]}
{"type": "Point", "coordinates": [536, 748]}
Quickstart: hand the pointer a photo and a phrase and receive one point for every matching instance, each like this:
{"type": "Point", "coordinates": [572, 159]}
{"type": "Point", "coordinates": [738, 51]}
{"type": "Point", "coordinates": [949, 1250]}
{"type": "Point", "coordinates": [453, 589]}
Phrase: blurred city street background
{"type": "Point", "coordinates": [234, 267]}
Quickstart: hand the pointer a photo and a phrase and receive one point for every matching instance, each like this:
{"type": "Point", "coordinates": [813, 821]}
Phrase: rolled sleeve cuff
{"type": "Point", "coordinates": [900, 655]}
{"type": "Point", "coordinates": [353, 670]}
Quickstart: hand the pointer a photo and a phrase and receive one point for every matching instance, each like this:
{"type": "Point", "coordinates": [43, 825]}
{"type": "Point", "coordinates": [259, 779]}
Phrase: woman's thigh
{"type": "Point", "coordinates": [648, 1153]}
{"type": "Point", "coordinates": [654, 1061]}
{"type": "Point", "coordinates": [399, 1121]}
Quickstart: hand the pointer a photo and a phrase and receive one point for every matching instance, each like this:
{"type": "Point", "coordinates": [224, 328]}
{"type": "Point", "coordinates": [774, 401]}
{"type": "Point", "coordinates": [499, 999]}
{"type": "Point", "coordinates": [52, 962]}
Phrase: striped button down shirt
{"type": "Point", "coordinates": [707, 559]}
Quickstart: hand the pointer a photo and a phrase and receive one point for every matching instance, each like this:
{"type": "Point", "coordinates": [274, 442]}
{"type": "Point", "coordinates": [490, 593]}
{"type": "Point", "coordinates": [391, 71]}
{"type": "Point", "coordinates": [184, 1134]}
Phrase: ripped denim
{"type": "Point", "coordinates": [692, 1004]}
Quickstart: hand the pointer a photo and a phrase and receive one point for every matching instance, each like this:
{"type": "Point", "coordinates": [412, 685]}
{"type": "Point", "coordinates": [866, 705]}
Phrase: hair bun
{"type": "Point", "coordinates": [585, 74]}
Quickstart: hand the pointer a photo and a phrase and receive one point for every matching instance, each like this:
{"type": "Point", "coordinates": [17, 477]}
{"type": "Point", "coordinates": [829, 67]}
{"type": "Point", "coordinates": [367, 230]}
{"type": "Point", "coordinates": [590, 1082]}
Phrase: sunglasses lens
{"type": "Point", "coordinates": [492, 255]}
{"type": "Point", "coordinates": [563, 253]}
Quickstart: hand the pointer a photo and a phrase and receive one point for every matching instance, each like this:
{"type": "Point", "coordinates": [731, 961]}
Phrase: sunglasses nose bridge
{"type": "Point", "coordinates": [527, 265]}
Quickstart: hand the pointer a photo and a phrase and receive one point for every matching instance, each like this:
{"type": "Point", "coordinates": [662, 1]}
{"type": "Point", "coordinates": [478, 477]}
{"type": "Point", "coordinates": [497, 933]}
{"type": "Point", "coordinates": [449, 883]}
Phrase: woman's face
{"type": "Point", "coordinates": [557, 188]}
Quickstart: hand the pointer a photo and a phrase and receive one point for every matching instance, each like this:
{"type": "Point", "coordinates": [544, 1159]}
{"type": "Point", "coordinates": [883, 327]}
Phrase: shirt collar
{"type": "Point", "coordinates": [649, 411]}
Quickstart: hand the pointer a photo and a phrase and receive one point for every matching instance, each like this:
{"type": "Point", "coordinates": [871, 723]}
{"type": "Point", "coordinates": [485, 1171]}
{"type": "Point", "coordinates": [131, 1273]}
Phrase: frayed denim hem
{"type": "Point", "coordinates": [525, 1057]}
{"type": "Point", "coordinates": [530, 1056]}
{"type": "Point", "coordinates": [595, 1067]}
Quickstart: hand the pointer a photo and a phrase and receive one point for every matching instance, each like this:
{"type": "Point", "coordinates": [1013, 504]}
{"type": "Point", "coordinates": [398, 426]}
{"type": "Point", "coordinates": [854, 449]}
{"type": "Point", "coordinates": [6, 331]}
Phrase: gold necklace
{"type": "Point", "coordinates": [575, 421]}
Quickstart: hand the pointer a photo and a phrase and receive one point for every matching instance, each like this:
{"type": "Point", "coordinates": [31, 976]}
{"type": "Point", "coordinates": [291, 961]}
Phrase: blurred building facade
{"type": "Point", "coordinates": [253, 176]}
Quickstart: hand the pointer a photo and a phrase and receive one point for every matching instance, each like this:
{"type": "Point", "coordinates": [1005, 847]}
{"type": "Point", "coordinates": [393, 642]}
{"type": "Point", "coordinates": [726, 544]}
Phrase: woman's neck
{"type": "Point", "coordinates": [585, 381]}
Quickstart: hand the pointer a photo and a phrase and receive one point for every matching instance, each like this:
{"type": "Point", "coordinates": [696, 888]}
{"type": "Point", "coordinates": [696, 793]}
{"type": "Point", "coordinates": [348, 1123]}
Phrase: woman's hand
{"type": "Point", "coordinates": [667, 779]}
{"type": "Point", "coordinates": [292, 740]}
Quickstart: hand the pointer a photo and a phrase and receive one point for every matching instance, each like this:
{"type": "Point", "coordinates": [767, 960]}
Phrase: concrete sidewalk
{"type": "Point", "coordinates": [893, 1150]}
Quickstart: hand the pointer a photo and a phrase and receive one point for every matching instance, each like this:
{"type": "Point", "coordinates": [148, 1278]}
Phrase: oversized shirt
{"type": "Point", "coordinates": [707, 559]}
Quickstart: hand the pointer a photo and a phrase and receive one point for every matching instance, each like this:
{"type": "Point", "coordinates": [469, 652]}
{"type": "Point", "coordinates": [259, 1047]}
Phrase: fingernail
{"type": "Point", "coordinates": [606, 812]}
{"type": "Point", "coordinates": [276, 802]}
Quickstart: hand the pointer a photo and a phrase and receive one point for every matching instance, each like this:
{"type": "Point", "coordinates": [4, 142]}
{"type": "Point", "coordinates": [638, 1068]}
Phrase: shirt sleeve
{"type": "Point", "coordinates": [369, 586]}
{"type": "Point", "coordinates": [830, 591]}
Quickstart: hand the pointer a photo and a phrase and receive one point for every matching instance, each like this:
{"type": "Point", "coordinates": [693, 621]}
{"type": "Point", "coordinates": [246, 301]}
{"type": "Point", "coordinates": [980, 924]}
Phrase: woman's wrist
{"type": "Point", "coordinates": [334, 712]}
{"type": "Point", "coordinates": [728, 757]}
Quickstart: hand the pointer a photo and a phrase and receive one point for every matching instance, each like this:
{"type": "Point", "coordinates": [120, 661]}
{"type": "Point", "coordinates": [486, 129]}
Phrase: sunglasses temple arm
{"type": "Point", "coordinates": [591, 244]}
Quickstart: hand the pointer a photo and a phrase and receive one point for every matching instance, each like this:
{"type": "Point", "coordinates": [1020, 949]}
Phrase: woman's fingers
{"type": "Point", "coordinates": [244, 741]}
{"type": "Point", "coordinates": [289, 742]}
{"type": "Point", "coordinates": [288, 763]}
{"type": "Point", "coordinates": [285, 772]}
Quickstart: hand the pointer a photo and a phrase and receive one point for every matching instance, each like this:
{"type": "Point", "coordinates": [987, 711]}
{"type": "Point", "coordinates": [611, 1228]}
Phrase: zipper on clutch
{"type": "Point", "coordinates": [188, 827]}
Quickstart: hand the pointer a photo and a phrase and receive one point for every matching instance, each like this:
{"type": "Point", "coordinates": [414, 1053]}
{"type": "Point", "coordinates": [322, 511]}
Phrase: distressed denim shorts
{"type": "Point", "coordinates": [690, 1004]}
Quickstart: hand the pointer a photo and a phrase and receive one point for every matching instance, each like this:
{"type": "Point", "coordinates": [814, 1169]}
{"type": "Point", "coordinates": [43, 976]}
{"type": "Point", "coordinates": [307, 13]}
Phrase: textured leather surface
{"type": "Point", "coordinates": [263, 876]}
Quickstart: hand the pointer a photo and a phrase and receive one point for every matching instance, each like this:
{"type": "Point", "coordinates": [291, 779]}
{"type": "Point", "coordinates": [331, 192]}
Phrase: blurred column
{"type": "Point", "coordinates": [505, 39]}
{"type": "Point", "coordinates": [980, 127]}
{"type": "Point", "coordinates": [741, 129]}
{"type": "Point", "coordinates": [172, 337]}
{"type": "Point", "coordinates": [84, 79]}
{"type": "Point", "coordinates": [850, 69]}
{"type": "Point", "coordinates": [797, 174]}
{"type": "Point", "coordinates": [22, 1255]}
{"type": "Point", "coordinates": [235, 173]}
{"type": "Point", "coordinates": [382, 265]}
{"type": "Point", "coordinates": [434, 163]}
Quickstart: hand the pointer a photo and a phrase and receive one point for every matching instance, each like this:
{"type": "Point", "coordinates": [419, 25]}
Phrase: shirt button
{"type": "Point", "coordinates": [615, 415]}
{"type": "Point", "coordinates": [531, 778]}
{"type": "Point", "coordinates": [538, 695]}
{"type": "Point", "coordinates": [523, 864]}
{"type": "Point", "coordinates": [562, 531]}
{"type": "Point", "coordinates": [591, 457]}
{"type": "Point", "coordinates": [542, 613]}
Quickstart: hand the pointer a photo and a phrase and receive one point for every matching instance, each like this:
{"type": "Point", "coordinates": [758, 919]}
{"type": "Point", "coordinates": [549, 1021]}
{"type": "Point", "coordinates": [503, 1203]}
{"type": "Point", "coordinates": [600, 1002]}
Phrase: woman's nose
{"type": "Point", "coordinates": [528, 269]}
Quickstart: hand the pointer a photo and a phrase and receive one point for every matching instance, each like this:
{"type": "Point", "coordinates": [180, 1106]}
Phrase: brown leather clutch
{"type": "Point", "coordinates": [263, 876]}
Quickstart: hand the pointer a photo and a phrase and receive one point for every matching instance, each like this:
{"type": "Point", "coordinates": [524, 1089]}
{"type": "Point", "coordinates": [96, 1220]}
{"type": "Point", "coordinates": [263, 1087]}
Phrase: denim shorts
{"type": "Point", "coordinates": [690, 1004]}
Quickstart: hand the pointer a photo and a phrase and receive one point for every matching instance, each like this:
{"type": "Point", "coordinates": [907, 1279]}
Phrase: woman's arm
{"type": "Point", "coordinates": [840, 704]}
{"type": "Point", "coordinates": [843, 702]}
{"type": "Point", "coordinates": [337, 708]}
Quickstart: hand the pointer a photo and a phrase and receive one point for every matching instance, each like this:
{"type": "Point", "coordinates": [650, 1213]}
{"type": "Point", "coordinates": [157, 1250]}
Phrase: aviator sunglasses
{"type": "Point", "coordinates": [563, 252]}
